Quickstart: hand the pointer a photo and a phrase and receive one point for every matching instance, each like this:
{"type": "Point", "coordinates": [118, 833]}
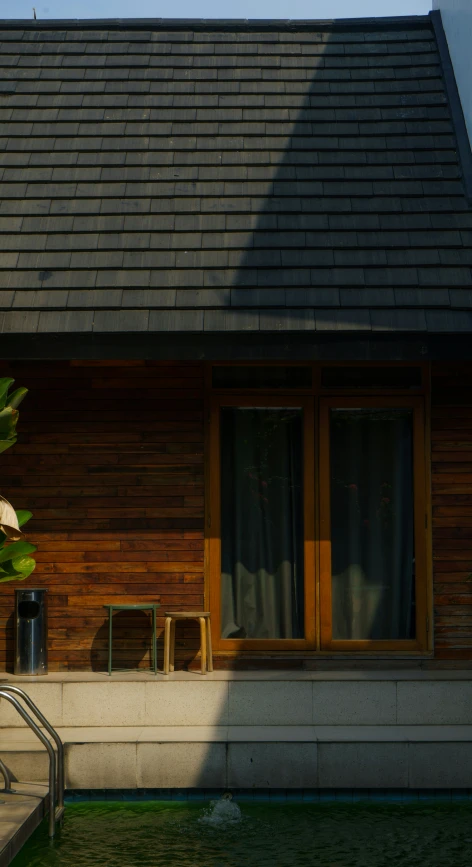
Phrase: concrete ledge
{"type": "Point", "coordinates": [215, 701]}
{"type": "Point", "coordinates": [15, 739]}
{"type": "Point", "coordinates": [272, 757]}
{"type": "Point", "coordinates": [362, 673]}
{"type": "Point", "coordinates": [250, 729]}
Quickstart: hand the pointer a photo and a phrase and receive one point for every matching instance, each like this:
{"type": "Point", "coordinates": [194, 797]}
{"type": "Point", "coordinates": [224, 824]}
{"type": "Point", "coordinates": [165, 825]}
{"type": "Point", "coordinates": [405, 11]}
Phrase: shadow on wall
{"type": "Point", "coordinates": [132, 634]}
{"type": "Point", "coordinates": [302, 252]}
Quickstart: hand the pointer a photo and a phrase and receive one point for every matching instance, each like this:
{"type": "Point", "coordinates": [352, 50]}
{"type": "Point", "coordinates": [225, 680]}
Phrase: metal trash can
{"type": "Point", "coordinates": [31, 631]}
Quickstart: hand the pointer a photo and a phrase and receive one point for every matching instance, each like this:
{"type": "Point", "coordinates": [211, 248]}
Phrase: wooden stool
{"type": "Point", "coordinates": [205, 638]}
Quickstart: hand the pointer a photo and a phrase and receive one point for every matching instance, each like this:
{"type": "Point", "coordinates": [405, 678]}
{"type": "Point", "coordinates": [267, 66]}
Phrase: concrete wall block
{"type": "Point", "coordinates": [118, 703]}
{"type": "Point", "coordinates": [198, 702]}
{"type": "Point", "coordinates": [27, 767]}
{"type": "Point", "coordinates": [275, 765]}
{"type": "Point", "coordinates": [100, 766]}
{"type": "Point", "coordinates": [363, 766]}
{"type": "Point", "coordinates": [181, 765]}
{"type": "Point", "coordinates": [48, 698]}
{"type": "Point", "coordinates": [354, 703]}
{"type": "Point", "coordinates": [270, 703]}
{"type": "Point", "coordinates": [440, 765]}
{"type": "Point", "coordinates": [434, 702]}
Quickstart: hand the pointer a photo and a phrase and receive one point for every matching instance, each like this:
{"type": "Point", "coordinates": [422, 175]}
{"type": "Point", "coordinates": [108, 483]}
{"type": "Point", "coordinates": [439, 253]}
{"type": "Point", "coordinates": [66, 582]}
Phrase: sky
{"type": "Point", "coordinates": [211, 8]}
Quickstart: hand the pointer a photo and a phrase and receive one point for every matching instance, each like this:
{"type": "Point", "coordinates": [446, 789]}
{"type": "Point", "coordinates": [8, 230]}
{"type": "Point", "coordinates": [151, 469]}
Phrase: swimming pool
{"type": "Point", "coordinates": [186, 834]}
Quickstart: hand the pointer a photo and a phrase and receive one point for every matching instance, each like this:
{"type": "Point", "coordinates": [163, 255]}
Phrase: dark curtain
{"type": "Point", "coordinates": [372, 538]}
{"type": "Point", "coordinates": [261, 523]}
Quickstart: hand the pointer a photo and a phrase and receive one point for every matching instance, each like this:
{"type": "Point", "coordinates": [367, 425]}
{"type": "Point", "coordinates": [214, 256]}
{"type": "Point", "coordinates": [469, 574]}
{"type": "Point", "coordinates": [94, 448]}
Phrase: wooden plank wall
{"type": "Point", "coordinates": [110, 461]}
{"type": "Point", "coordinates": [451, 433]}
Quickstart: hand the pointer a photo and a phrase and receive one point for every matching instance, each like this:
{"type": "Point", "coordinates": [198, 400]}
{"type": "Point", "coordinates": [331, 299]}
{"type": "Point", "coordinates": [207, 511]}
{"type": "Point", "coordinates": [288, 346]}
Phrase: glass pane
{"type": "Point", "coordinates": [261, 523]}
{"type": "Point", "coordinates": [372, 540]}
{"type": "Point", "coordinates": [245, 376]}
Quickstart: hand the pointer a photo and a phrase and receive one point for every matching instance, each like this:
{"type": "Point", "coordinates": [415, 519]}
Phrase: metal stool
{"type": "Point", "coordinates": [205, 638]}
{"type": "Point", "coordinates": [153, 606]}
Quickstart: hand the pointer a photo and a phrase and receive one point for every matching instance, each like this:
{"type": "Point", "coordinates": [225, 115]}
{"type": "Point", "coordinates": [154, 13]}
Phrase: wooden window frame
{"type": "Point", "coordinates": [416, 404]}
{"type": "Point", "coordinates": [316, 402]}
{"type": "Point", "coordinates": [214, 521]}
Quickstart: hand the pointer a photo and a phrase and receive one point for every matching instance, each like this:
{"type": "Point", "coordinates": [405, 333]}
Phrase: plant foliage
{"type": "Point", "coordinates": [9, 412]}
{"type": "Point", "coordinates": [15, 560]}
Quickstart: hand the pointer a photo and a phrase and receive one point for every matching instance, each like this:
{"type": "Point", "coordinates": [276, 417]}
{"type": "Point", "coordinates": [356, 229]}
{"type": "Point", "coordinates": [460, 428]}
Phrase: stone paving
{"type": "Point", "coordinates": [20, 815]}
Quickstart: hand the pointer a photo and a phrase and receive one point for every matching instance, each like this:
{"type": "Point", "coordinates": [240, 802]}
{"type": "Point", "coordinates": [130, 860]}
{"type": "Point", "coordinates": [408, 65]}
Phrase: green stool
{"type": "Point", "coordinates": [153, 606]}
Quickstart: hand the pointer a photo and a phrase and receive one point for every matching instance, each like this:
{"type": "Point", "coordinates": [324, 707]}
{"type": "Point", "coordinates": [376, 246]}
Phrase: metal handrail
{"type": "Point", "coordinates": [7, 778]}
{"type": "Point", "coordinates": [60, 747]}
{"type": "Point", "coordinates": [52, 757]}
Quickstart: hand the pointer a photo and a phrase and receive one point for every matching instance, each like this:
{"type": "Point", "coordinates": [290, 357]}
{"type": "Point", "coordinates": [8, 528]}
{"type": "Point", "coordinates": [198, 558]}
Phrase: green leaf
{"type": "Point", "coordinates": [23, 516]}
{"type": "Point", "coordinates": [16, 577]}
{"type": "Point", "coordinates": [15, 398]}
{"type": "Point", "coordinates": [24, 565]}
{"type": "Point", "coordinates": [17, 569]}
{"type": "Point", "coordinates": [5, 383]}
{"type": "Point", "coordinates": [8, 571]}
{"type": "Point", "coordinates": [15, 549]}
{"type": "Point", "coordinates": [8, 420]}
{"type": "Point", "coordinates": [15, 562]}
{"type": "Point", "coordinates": [6, 444]}
{"type": "Point", "coordinates": [10, 576]}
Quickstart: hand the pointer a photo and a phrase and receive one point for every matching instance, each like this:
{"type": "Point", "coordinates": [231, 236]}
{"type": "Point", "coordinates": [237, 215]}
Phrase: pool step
{"type": "Point", "coordinates": [299, 757]}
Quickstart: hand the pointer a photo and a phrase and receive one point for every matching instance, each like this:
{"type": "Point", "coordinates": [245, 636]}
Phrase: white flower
{"type": "Point", "coordinates": [9, 521]}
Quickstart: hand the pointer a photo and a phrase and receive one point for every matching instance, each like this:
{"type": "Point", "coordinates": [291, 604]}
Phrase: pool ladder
{"type": "Point", "coordinates": [56, 768]}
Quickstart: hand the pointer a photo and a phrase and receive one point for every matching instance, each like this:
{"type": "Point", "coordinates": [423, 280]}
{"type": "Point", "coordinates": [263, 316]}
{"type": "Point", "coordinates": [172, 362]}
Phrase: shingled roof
{"type": "Point", "coordinates": [220, 176]}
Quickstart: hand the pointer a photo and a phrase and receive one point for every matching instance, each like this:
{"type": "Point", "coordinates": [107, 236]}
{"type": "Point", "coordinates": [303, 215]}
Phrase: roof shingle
{"type": "Point", "coordinates": [235, 176]}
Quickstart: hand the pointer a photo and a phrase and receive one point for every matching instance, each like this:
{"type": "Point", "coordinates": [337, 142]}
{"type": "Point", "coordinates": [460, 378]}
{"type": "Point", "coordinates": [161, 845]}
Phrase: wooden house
{"type": "Point", "coordinates": [236, 278]}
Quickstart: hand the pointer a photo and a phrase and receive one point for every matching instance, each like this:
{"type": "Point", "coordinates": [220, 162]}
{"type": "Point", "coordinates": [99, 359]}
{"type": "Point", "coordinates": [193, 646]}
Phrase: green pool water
{"type": "Point", "coordinates": [177, 834]}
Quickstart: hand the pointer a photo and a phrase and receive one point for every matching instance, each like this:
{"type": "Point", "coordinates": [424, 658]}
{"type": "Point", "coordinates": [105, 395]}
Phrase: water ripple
{"type": "Point", "coordinates": [180, 834]}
